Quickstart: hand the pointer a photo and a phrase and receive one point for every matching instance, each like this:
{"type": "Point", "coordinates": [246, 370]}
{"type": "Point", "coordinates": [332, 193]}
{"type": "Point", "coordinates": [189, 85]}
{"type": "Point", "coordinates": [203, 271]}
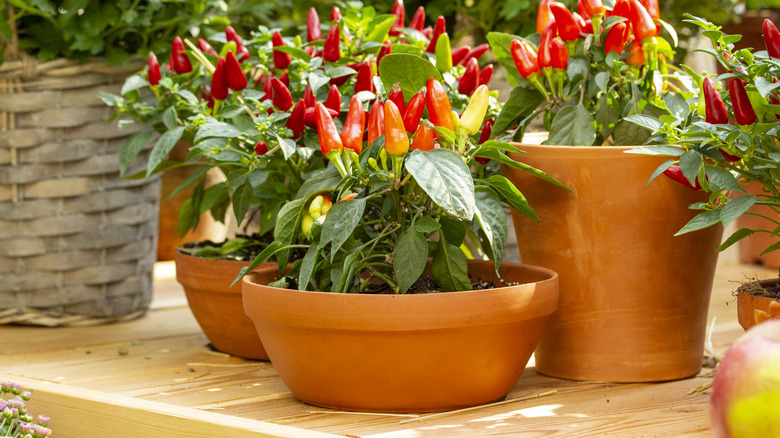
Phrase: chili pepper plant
{"type": "Point", "coordinates": [726, 137]}
{"type": "Point", "coordinates": [248, 106]}
{"type": "Point", "coordinates": [402, 200]}
{"type": "Point", "coordinates": [583, 72]}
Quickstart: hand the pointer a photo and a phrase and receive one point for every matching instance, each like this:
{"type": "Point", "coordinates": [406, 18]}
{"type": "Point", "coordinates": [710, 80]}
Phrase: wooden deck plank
{"type": "Point", "coordinates": [158, 367]}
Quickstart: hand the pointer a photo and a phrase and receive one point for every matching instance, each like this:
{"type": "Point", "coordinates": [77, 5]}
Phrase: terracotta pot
{"type": "Point", "coordinates": [634, 298]}
{"type": "Point", "coordinates": [751, 247]}
{"type": "Point", "coordinates": [216, 306]}
{"type": "Point", "coordinates": [748, 305]}
{"type": "Point", "coordinates": [403, 353]}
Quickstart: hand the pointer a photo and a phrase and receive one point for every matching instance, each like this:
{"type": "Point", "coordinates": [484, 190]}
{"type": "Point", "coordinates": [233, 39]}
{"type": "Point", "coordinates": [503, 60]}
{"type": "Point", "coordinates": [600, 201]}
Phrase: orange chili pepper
{"type": "Point", "coordinates": [396, 140]}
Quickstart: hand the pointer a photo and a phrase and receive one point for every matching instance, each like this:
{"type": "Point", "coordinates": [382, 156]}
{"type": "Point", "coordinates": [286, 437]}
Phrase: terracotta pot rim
{"type": "Point", "coordinates": [614, 149]}
{"type": "Point", "coordinates": [551, 276]}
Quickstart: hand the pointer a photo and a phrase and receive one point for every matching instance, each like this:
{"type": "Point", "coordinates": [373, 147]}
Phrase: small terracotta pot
{"type": "Point", "coordinates": [403, 353]}
{"type": "Point", "coordinates": [216, 306]}
{"type": "Point", "coordinates": [634, 297]}
{"type": "Point", "coordinates": [748, 305]}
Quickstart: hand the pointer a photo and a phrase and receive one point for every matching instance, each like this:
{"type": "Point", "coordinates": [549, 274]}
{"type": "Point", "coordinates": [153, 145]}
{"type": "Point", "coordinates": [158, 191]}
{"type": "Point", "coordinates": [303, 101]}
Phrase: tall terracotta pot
{"type": "Point", "coordinates": [634, 298]}
{"type": "Point", "coordinates": [216, 306]}
{"type": "Point", "coordinates": [403, 353]}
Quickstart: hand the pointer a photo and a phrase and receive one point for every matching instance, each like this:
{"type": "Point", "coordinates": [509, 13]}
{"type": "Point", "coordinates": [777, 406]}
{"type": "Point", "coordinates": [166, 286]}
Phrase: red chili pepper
{"type": "Point", "coordinates": [364, 80]}
{"type": "Point", "coordinates": [180, 60]}
{"type": "Point", "coordinates": [622, 8]}
{"type": "Point", "coordinates": [484, 136]}
{"type": "Point", "coordinates": [313, 31]}
{"type": "Point", "coordinates": [329, 136]}
{"type": "Point", "coordinates": [423, 137]}
{"type": "Point", "coordinates": [545, 55]}
{"type": "Point", "coordinates": [474, 53]}
{"type": "Point", "coordinates": [771, 38]}
{"type": "Point", "coordinates": [743, 110]}
{"type": "Point", "coordinates": [331, 52]}
{"type": "Point", "coordinates": [261, 148]}
{"type": "Point", "coordinates": [568, 28]}
{"type": "Point", "coordinates": [525, 58]}
{"type": "Point", "coordinates": [153, 74]}
{"type": "Point", "coordinates": [236, 80]}
{"type": "Point", "coordinates": [459, 54]}
{"type": "Point", "coordinates": [616, 38]}
{"type": "Point", "coordinates": [560, 56]}
{"type": "Point", "coordinates": [281, 59]}
{"type": "Point", "coordinates": [387, 48]}
{"type": "Point", "coordinates": [282, 98]}
{"type": "Point", "coordinates": [397, 96]}
{"type": "Point", "coordinates": [398, 11]}
{"type": "Point", "coordinates": [486, 74]}
{"type": "Point", "coordinates": [675, 173]}
{"type": "Point", "coordinates": [205, 47]}
{"type": "Point", "coordinates": [231, 35]}
{"type": "Point", "coordinates": [335, 14]}
{"type": "Point", "coordinates": [414, 111]}
{"type": "Point", "coordinates": [354, 125]}
{"type": "Point", "coordinates": [438, 104]}
{"type": "Point", "coordinates": [470, 79]}
{"type": "Point", "coordinates": [641, 22]}
{"type": "Point", "coordinates": [427, 32]}
{"type": "Point", "coordinates": [296, 122]}
{"type": "Point", "coordinates": [418, 20]}
{"type": "Point", "coordinates": [543, 15]}
{"type": "Point", "coordinates": [584, 26]}
{"type": "Point", "coordinates": [219, 85]}
{"type": "Point", "coordinates": [714, 109]}
{"type": "Point", "coordinates": [396, 140]}
{"type": "Point", "coordinates": [439, 29]}
{"type": "Point", "coordinates": [652, 8]}
{"type": "Point", "coordinates": [334, 99]}
{"type": "Point", "coordinates": [589, 8]}
{"type": "Point", "coordinates": [637, 55]}
{"type": "Point", "coordinates": [285, 78]}
{"type": "Point", "coordinates": [376, 121]}
{"type": "Point", "coordinates": [310, 119]}
{"type": "Point", "coordinates": [267, 89]}
{"type": "Point", "coordinates": [308, 97]}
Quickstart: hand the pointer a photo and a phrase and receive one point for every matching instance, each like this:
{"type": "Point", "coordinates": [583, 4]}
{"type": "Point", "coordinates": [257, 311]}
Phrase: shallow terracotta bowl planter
{"type": "Point", "coordinates": [748, 305]}
{"type": "Point", "coordinates": [403, 353]}
{"type": "Point", "coordinates": [216, 306]}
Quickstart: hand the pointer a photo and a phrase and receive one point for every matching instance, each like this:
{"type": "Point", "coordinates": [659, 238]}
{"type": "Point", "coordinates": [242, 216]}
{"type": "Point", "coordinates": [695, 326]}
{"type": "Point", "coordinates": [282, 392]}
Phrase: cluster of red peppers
{"type": "Point", "coordinates": [559, 27]}
{"type": "Point", "coordinates": [715, 110]}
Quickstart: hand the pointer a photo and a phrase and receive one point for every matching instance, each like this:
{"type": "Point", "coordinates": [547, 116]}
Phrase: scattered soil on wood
{"type": "Point", "coordinates": [753, 287]}
{"type": "Point", "coordinates": [425, 285]}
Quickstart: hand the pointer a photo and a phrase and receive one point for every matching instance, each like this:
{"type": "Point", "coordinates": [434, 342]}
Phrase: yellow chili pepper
{"type": "Point", "coordinates": [474, 114]}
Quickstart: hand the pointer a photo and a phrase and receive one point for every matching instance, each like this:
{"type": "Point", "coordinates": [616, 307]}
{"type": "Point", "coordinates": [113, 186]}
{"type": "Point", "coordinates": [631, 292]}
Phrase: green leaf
{"type": "Point", "coordinates": [379, 27]}
{"type": "Point", "coordinates": [324, 180]}
{"type": "Point", "coordinates": [645, 121]}
{"type": "Point", "coordinates": [295, 52]}
{"type": "Point", "coordinates": [131, 148]}
{"type": "Point", "coordinates": [511, 195]}
{"type": "Point", "coordinates": [573, 126]}
{"type": "Point", "coordinates": [735, 208]}
{"type": "Point", "coordinates": [409, 258]}
{"type": "Point", "coordinates": [185, 217]}
{"type": "Point", "coordinates": [690, 162]}
{"type": "Point", "coordinates": [287, 145]}
{"type": "Point", "coordinates": [577, 69]}
{"type": "Point", "coordinates": [261, 258]}
{"type": "Point", "coordinates": [735, 237]}
{"type": "Point", "coordinates": [443, 175]}
{"type": "Point", "coordinates": [242, 201]}
{"type": "Point", "coordinates": [169, 117]}
{"type": "Point", "coordinates": [409, 71]}
{"type": "Point", "coordinates": [503, 159]}
{"type": "Point", "coordinates": [340, 222]}
{"type": "Point", "coordinates": [493, 144]}
{"type": "Point", "coordinates": [764, 86]}
{"type": "Point", "coordinates": [307, 265]}
{"type": "Point", "coordinates": [453, 230]}
{"type": "Point", "coordinates": [492, 220]}
{"type": "Point", "coordinates": [133, 83]}
{"type": "Point", "coordinates": [522, 103]}
{"type": "Point", "coordinates": [287, 227]}
{"type": "Point", "coordinates": [628, 134]}
{"type": "Point", "coordinates": [700, 221]}
{"type": "Point", "coordinates": [217, 129]}
{"type": "Point", "coordinates": [426, 225]}
{"type": "Point", "coordinates": [450, 268]}
{"type": "Point", "coordinates": [349, 269]}
{"type": "Point", "coordinates": [164, 145]}
{"type": "Point", "coordinates": [659, 150]}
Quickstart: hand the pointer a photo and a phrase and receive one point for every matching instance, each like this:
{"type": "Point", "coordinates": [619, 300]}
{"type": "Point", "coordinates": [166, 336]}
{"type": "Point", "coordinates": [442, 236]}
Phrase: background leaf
{"type": "Point", "coordinates": [409, 258]}
{"type": "Point", "coordinates": [411, 72]}
{"type": "Point", "coordinates": [493, 222]}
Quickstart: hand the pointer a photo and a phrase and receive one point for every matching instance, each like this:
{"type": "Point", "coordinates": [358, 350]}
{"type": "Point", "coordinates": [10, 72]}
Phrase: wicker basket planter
{"type": "Point", "coordinates": [77, 242]}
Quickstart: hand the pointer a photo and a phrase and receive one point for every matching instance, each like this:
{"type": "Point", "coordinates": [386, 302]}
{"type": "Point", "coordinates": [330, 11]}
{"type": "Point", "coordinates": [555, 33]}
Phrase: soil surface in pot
{"type": "Point", "coordinates": [753, 287]}
{"type": "Point", "coordinates": [423, 285]}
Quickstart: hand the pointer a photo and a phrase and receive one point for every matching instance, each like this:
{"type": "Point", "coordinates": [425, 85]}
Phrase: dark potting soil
{"type": "Point", "coordinates": [753, 287]}
{"type": "Point", "coordinates": [425, 285]}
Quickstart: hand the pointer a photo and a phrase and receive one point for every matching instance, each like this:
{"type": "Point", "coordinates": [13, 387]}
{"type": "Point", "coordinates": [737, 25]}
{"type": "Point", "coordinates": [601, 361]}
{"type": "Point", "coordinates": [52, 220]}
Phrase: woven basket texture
{"type": "Point", "coordinates": [77, 241]}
